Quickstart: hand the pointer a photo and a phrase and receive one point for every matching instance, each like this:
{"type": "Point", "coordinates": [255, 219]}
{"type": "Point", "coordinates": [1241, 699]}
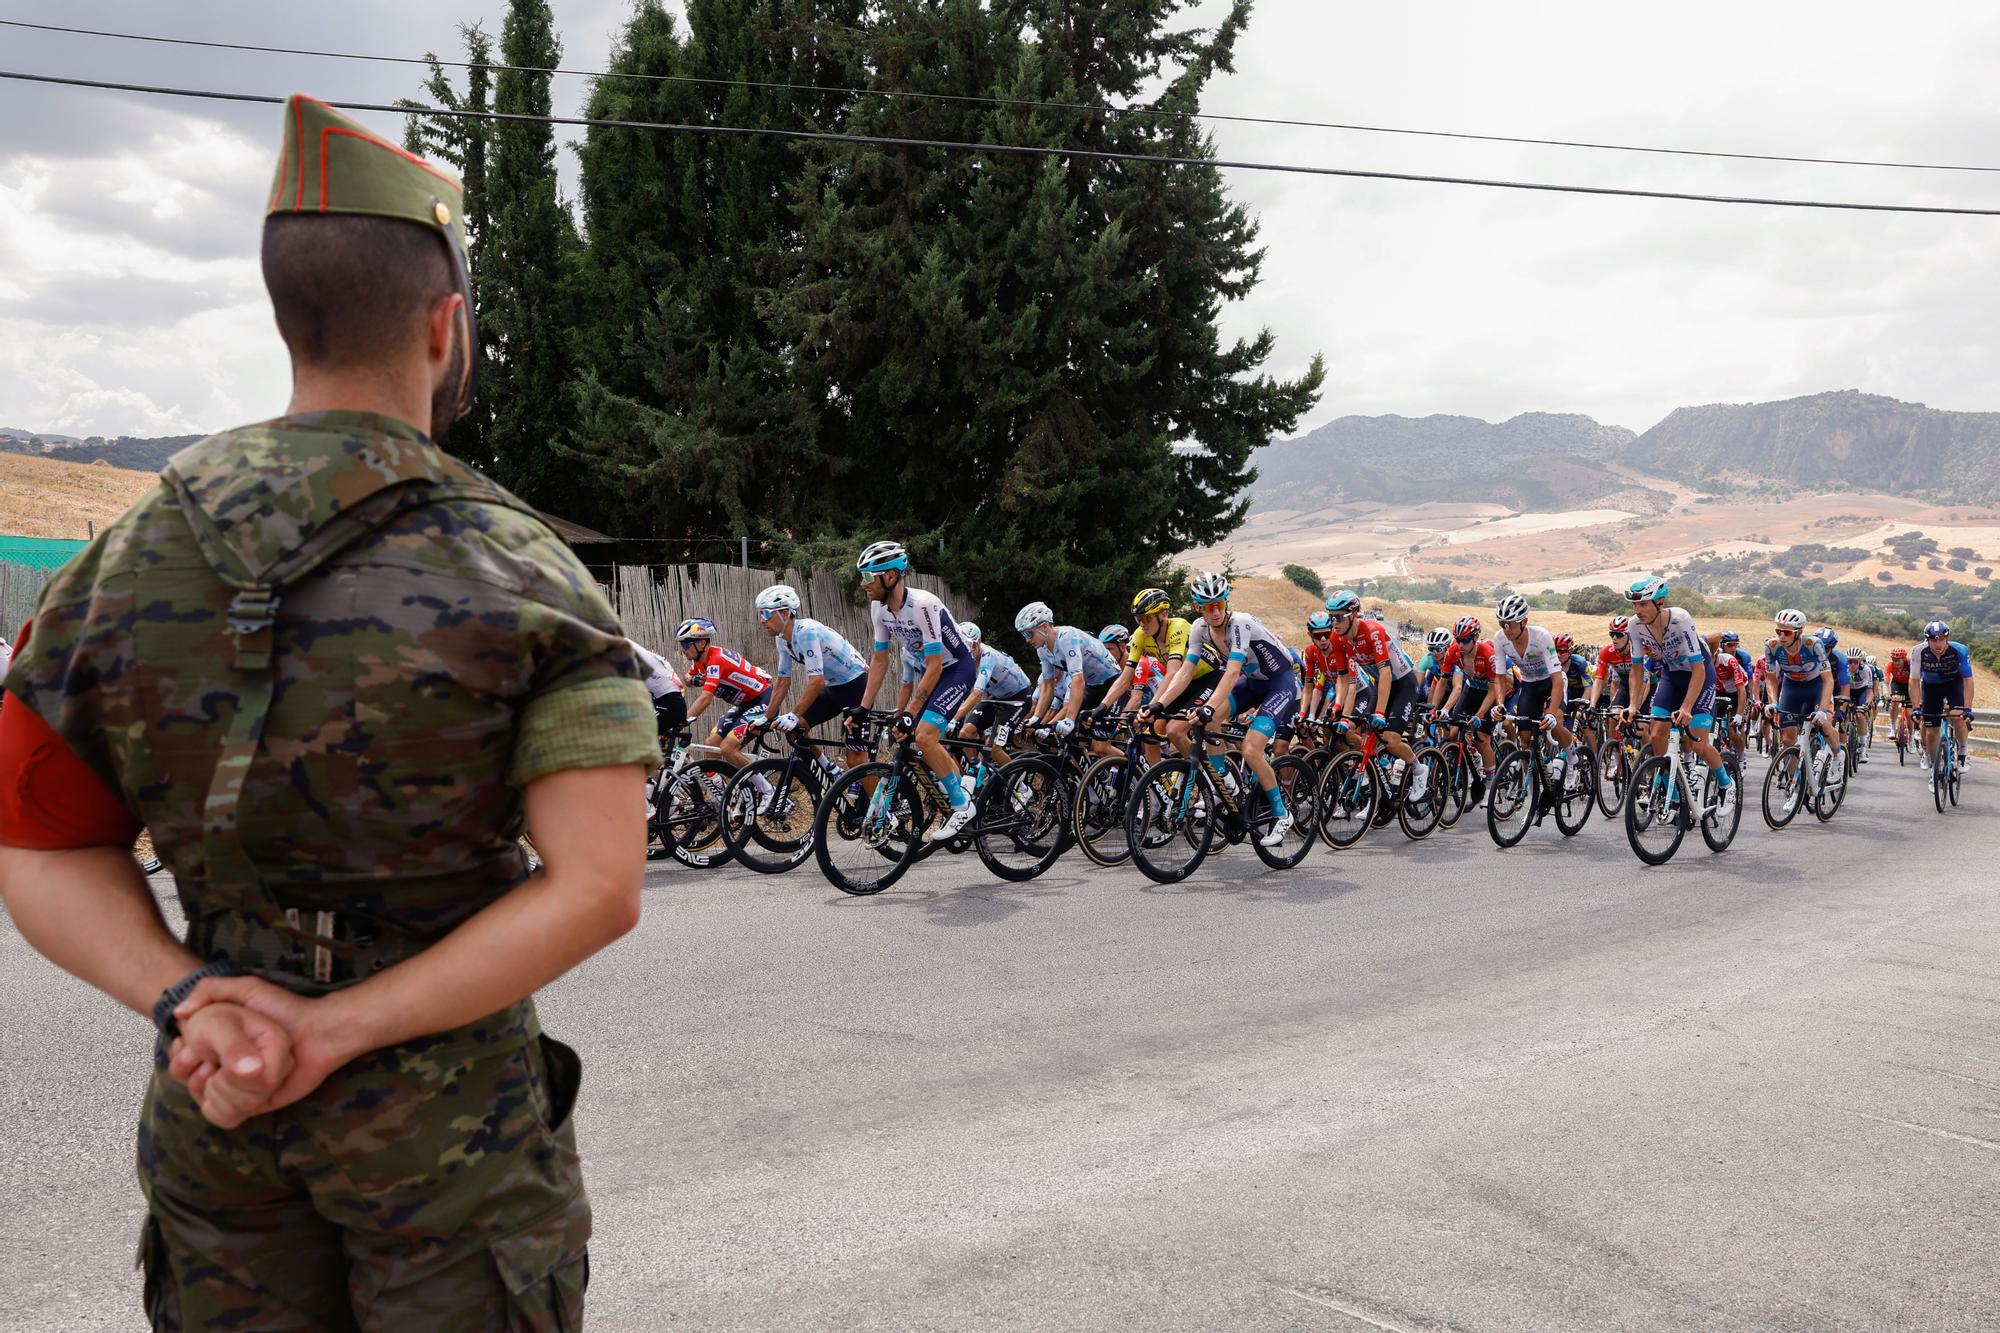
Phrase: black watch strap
{"type": "Point", "coordinates": [171, 997]}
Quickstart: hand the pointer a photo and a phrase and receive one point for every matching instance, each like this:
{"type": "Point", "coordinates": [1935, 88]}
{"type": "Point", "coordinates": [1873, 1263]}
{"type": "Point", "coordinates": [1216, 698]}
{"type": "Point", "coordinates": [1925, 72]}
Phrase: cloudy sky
{"type": "Point", "coordinates": [130, 301]}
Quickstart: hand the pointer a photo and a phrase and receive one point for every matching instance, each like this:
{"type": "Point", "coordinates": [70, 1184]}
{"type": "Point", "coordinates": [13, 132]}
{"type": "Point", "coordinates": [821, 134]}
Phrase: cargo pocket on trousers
{"type": "Point", "coordinates": [562, 1068]}
{"type": "Point", "coordinates": [162, 1297]}
{"type": "Point", "coordinates": [546, 1268]}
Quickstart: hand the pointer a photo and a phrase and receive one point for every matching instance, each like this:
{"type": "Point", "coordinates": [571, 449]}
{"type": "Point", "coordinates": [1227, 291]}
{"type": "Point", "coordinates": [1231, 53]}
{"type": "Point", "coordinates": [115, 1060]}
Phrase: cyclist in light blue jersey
{"type": "Point", "coordinates": [1256, 674]}
{"type": "Point", "coordinates": [919, 622]}
{"type": "Point", "coordinates": [833, 670]}
{"type": "Point", "coordinates": [1684, 696]}
{"type": "Point", "coordinates": [1068, 654]}
{"type": "Point", "coordinates": [999, 693]}
{"type": "Point", "coordinates": [1798, 679]}
{"type": "Point", "coordinates": [1941, 677]}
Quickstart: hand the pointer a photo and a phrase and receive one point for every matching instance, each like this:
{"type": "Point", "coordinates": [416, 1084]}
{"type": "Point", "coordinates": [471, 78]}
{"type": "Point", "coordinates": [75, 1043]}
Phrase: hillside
{"type": "Point", "coordinates": [147, 454]}
{"type": "Point", "coordinates": [1535, 461]}
{"type": "Point", "coordinates": [1845, 439]}
{"type": "Point", "coordinates": [42, 497]}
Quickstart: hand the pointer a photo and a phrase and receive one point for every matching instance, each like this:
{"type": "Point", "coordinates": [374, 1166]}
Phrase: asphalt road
{"type": "Point", "coordinates": [1402, 1087]}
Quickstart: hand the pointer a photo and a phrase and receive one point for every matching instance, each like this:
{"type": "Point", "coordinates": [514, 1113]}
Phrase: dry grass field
{"type": "Point", "coordinates": [40, 497]}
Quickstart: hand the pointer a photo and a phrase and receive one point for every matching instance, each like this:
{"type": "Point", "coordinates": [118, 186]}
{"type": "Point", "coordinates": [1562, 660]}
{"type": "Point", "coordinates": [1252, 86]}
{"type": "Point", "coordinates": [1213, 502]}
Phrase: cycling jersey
{"type": "Point", "coordinates": [1478, 672]}
{"type": "Point", "coordinates": [1677, 641]}
{"type": "Point", "coordinates": [923, 626]}
{"type": "Point", "coordinates": [1899, 672]}
{"type": "Point", "coordinates": [1428, 672]}
{"type": "Point", "coordinates": [1078, 653]}
{"type": "Point", "coordinates": [1577, 669]}
{"type": "Point", "coordinates": [1535, 659]}
{"type": "Point", "coordinates": [661, 679]}
{"type": "Point", "coordinates": [1172, 647]}
{"type": "Point", "coordinates": [1147, 676]}
{"type": "Point", "coordinates": [1613, 658]}
{"type": "Point", "coordinates": [1954, 663]}
{"type": "Point", "coordinates": [729, 677]}
{"type": "Point", "coordinates": [1729, 673]}
{"type": "Point", "coordinates": [1244, 640]}
{"type": "Point", "coordinates": [1370, 646]}
{"type": "Point", "coordinates": [1319, 668]}
{"type": "Point", "coordinates": [1804, 660]}
{"type": "Point", "coordinates": [1742, 656]}
{"type": "Point", "coordinates": [821, 651]}
{"type": "Point", "coordinates": [1837, 663]}
{"type": "Point", "coordinates": [1000, 677]}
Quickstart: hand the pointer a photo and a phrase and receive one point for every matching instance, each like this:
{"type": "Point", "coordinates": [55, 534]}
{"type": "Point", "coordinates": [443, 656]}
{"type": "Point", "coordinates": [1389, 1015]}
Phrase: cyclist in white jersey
{"type": "Point", "coordinates": [920, 623]}
{"type": "Point", "coordinates": [1256, 674]}
{"type": "Point", "coordinates": [833, 670]}
{"type": "Point", "coordinates": [999, 693]}
{"type": "Point", "coordinates": [664, 684]}
{"type": "Point", "coordinates": [1531, 650]}
{"type": "Point", "coordinates": [1685, 693]}
{"type": "Point", "coordinates": [1068, 655]}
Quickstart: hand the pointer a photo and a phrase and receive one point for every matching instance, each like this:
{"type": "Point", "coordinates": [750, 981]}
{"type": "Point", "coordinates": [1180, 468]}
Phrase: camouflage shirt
{"type": "Point", "coordinates": [421, 676]}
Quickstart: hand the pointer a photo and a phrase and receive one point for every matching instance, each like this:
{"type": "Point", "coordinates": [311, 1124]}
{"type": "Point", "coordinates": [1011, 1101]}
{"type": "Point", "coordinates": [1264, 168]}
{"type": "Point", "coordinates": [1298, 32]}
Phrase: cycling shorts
{"type": "Point", "coordinates": [1940, 695]}
{"type": "Point", "coordinates": [954, 685]}
{"type": "Point", "coordinates": [834, 700]}
{"type": "Point", "coordinates": [1470, 701]}
{"type": "Point", "coordinates": [1531, 698]}
{"type": "Point", "coordinates": [671, 712]}
{"type": "Point", "coordinates": [993, 714]}
{"type": "Point", "coordinates": [1671, 693]}
{"type": "Point", "coordinates": [741, 717]}
{"type": "Point", "coordinates": [1797, 700]}
{"type": "Point", "coordinates": [1276, 699]}
{"type": "Point", "coordinates": [1401, 713]}
{"type": "Point", "coordinates": [1899, 689]}
{"type": "Point", "coordinates": [1195, 695]}
{"type": "Point", "coordinates": [1858, 699]}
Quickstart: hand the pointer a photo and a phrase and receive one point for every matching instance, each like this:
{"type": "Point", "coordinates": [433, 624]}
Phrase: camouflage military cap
{"type": "Point", "coordinates": [330, 164]}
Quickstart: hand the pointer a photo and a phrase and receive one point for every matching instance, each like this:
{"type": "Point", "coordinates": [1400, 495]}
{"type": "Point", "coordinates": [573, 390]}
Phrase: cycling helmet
{"type": "Point", "coordinates": [1565, 645]}
{"type": "Point", "coordinates": [1652, 588]}
{"type": "Point", "coordinates": [1855, 654]}
{"type": "Point", "coordinates": [1899, 654]}
{"type": "Point", "coordinates": [1621, 624]}
{"type": "Point", "coordinates": [1790, 618]}
{"type": "Point", "coordinates": [1513, 609]}
{"type": "Point", "coordinates": [1149, 600]}
{"type": "Point", "coordinates": [1344, 603]}
{"type": "Point", "coordinates": [778, 597]}
{"type": "Point", "coordinates": [1937, 629]}
{"type": "Point", "coordinates": [697, 627]}
{"type": "Point", "coordinates": [1319, 622]}
{"type": "Point", "coordinates": [1438, 639]}
{"type": "Point", "coordinates": [1828, 637]}
{"type": "Point", "coordinates": [1114, 634]}
{"type": "Point", "coordinates": [969, 631]}
{"type": "Point", "coordinates": [1466, 629]}
{"type": "Point", "coordinates": [1032, 616]}
{"type": "Point", "coordinates": [1209, 587]}
{"type": "Point", "coordinates": [882, 556]}
{"type": "Point", "coordinates": [1730, 636]}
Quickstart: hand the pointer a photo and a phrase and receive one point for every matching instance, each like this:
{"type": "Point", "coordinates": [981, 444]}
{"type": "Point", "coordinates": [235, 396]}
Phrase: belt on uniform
{"type": "Point", "coordinates": [323, 949]}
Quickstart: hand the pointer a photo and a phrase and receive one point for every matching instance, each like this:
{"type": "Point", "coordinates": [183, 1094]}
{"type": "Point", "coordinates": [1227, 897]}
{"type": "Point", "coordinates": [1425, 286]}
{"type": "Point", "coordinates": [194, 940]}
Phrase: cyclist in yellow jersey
{"type": "Point", "coordinates": [1163, 636]}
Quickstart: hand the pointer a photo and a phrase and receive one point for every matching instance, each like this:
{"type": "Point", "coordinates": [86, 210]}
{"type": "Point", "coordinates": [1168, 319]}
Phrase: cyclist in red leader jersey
{"type": "Point", "coordinates": [718, 673]}
{"type": "Point", "coordinates": [1614, 663]}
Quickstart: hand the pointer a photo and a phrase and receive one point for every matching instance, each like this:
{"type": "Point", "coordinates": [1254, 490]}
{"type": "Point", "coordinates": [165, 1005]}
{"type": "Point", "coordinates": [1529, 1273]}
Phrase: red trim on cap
{"type": "Point", "coordinates": [331, 130]}
{"type": "Point", "coordinates": [299, 115]}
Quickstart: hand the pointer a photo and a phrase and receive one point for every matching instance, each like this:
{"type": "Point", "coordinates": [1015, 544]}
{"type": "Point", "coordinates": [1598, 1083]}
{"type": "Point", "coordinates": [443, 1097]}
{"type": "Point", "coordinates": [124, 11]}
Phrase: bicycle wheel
{"type": "Point", "coordinates": [1952, 790]}
{"type": "Point", "coordinates": [1170, 821]}
{"type": "Point", "coordinates": [1833, 789]}
{"type": "Point", "coordinates": [1576, 796]}
{"type": "Point", "coordinates": [1296, 786]}
{"type": "Point", "coordinates": [869, 828]}
{"type": "Point", "coordinates": [1653, 822]}
{"type": "Point", "coordinates": [1019, 828]}
{"type": "Point", "coordinates": [1512, 797]}
{"type": "Point", "coordinates": [1420, 814]}
{"type": "Point", "coordinates": [1458, 786]}
{"type": "Point", "coordinates": [687, 821]}
{"type": "Point", "coordinates": [771, 831]}
{"type": "Point", "coordinates": [1783, 786]}
{"type": "Point", "coordinates": [1346, 800]}
{"type": "Point", "coordinates": [1718, 827]}
{"type": "Point", "coordinates": [1097, 811]}
{"type": "Point", "coordinates": [1611, 776]}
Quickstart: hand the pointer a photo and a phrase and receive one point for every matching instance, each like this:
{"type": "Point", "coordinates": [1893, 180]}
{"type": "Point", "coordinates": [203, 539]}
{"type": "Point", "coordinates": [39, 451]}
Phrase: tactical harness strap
{"type": "Point", "coordinates": [237, 883]}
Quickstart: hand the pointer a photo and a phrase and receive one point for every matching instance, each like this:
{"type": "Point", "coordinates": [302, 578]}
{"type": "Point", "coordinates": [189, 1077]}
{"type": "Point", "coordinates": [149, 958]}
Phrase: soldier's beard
{"type": "Point", "coordinates": [450, 391]}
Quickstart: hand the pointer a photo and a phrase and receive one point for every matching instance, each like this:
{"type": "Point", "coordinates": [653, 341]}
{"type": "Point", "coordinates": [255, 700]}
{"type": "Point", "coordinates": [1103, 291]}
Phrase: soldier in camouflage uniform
{"type": "Point", "coordinates": [331, 669]}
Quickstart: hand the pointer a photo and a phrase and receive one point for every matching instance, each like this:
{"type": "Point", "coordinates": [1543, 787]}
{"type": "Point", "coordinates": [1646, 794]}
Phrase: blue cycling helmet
{"type": "Point", "coordinates": [1937, 629]}
{"type": "Point", "coordinates": [1730, 636]}
{"type": "Point", "coordinates": [1114, 634]}
{"type": "Point", "coordinates": [1827, 636]}
{"type": "Point", "coordinates": [1344, 603]}
{"type": "Point", "coordinates": [1318, 622]}
{"type": "Point", "coordinates": [698, 627]}
{"type": "Point", "coordinates": [1652, 588]}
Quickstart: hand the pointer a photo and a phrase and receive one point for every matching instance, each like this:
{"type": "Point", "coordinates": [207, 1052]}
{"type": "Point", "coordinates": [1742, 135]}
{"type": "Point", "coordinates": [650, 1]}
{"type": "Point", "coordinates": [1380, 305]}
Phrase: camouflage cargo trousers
{"type": "Point", "coordinates": [430, 1186]}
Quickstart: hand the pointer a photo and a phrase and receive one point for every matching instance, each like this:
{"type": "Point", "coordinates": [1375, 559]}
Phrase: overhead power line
{"type": "Point", "coordinates": [1031, 150]}
{"type": "Point", "coordinates": [1023, 102]}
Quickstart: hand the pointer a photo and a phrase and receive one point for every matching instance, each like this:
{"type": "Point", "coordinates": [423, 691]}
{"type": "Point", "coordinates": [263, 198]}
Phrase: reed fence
{"type": "Point", "coordinates": [20, 585]}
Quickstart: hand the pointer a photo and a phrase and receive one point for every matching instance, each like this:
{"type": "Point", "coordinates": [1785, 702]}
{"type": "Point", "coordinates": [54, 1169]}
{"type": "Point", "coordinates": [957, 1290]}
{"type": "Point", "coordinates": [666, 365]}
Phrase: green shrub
{"type": "Point", "coordinates": [1306, 578]}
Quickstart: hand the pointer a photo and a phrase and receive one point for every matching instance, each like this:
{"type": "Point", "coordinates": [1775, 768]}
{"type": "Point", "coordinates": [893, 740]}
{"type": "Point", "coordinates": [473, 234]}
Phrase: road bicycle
{"type": "Point", "coordinates": [1364, 787]}
{"type": "Point", "coordinates": [1804, 776]}
{"type": "Point", "coordinates": [1676, 791]}
{"type": "Point", "coordinates": [684, 804]}
{"type": "Point", "coordinates": [1618, 754]}
{"type": "Point", "coordinates": [1464, 778]}
{"type": "Point", "coordinates": [1105, 791]}
{"type": "Point", "coordinates": [1184, 802]}
{"type": "Point", "coordinates": [1533, 780]}
{"type": "Point", "coordinates": [1950, 763]}
{"type": "Point", "coordinates": [771, 830]}
{"type": "Point", "coordinates": [1899, 713]}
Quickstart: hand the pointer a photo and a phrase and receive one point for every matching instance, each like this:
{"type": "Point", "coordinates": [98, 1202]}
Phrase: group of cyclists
{"type": "Point", "coordinates": [932, 682]}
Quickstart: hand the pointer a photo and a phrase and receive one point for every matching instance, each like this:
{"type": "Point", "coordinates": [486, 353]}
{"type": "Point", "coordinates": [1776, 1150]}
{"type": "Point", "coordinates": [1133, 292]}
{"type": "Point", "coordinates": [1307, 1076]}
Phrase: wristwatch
{"type": "Point", "coordinates": [170, 998]}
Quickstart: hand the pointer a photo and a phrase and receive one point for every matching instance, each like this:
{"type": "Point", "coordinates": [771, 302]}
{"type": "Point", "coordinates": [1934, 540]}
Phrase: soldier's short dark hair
{"type": "Point", "coordinates": [350, 289]}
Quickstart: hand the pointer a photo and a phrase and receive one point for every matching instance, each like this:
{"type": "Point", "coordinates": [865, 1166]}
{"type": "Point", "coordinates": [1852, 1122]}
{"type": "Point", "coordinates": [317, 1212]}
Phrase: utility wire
{"type": "Point", "coordinates": [1011, 102]}
{"type": "Point", "coordinates": [1031, 150]}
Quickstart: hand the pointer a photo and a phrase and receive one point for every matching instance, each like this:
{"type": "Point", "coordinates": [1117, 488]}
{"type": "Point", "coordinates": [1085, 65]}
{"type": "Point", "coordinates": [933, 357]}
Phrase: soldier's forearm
{"type": "Point", "coordinates": [89, 912]}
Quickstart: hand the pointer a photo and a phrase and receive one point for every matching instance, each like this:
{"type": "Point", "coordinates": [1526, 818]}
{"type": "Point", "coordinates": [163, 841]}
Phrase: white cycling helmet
{"type": "Point", "coordinates": [968, 631]}
{"type": "Point", "coordinates": [1790, 619]}
{"type": "Point", "coordinates": [1209, 587]}
{"type": "Point", "coordinates": [880, 556]}
{"type": "Point", "coordinates": [1438, 639]}
{"type": "Point", "coordinates": [1031, 616]}
{"type": "Point", "coordinates": [1512, 609]}
{"type": "Point", "coordinates": [778, 597]}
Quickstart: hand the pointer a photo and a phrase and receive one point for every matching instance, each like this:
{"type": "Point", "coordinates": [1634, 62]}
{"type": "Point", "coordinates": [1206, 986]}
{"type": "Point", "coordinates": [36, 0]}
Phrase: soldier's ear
{"type": "Point", "coordinates": [439, 330]}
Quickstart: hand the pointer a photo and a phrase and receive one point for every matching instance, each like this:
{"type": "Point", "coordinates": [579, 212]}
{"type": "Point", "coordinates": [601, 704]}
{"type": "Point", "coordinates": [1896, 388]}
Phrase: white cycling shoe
{"type": "Point", "coordinates": [1279, 831]}
{"type": "Point", "coordinates": [960, 816]}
